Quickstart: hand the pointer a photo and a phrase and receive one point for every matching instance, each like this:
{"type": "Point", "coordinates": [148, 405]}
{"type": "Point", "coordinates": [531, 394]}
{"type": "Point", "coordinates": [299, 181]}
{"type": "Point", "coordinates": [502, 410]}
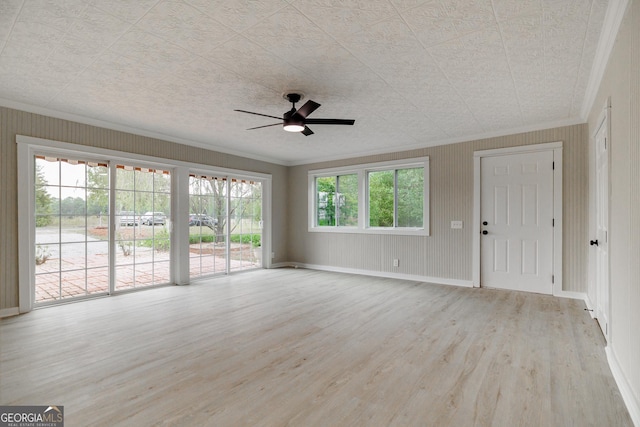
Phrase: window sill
{"type": "Point", "coordinates": [375, 231]}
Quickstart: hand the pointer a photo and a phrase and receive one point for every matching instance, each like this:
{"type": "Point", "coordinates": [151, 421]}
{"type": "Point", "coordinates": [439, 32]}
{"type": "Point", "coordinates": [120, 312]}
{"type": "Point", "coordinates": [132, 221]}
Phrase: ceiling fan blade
{"type": "Point", "coordinates": [308, 108]}
{"type": "Point", "coordinates": [265, 126]}
{"type": "Point", "coordinates": [258, 114]}
{"type": "Point", "coordinates": [329, 121]}
{"type": "Point", "coordinates": [306, 131]}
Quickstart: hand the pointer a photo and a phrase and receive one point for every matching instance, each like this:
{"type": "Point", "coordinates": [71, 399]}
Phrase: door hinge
{"type": "Point", "coordinates": [553, 222]}
{"type": "Point", "coordinates": [553, 279]}
{"type": "Point", "coordinates": [553, 165]}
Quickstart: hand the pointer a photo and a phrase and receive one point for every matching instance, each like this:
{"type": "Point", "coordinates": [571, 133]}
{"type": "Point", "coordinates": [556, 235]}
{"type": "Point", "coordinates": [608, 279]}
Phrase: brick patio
{"type": "Point", "coordinates": [82, 277]}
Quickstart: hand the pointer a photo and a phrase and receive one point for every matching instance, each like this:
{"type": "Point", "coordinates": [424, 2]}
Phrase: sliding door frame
{"type": "Point", "coordinates": [28, 147]}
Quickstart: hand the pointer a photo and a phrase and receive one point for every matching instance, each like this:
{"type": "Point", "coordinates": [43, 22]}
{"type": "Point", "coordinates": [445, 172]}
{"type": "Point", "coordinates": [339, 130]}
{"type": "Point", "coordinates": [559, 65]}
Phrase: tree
{"type": "Point", "coordinates": [98, 193]}
{"type": "Point", "coordinates": [381, 195]}
{"type": "Point", "coordinates": [410, 197]}
{"type": "Point", "coordinates": [209, 197]}
{"type": "Point", "coordinates": [43, 199]}
{"type": "Point", "coordinates": [325, 193]}
{"type": "Point", "coordinates": [72, 206]}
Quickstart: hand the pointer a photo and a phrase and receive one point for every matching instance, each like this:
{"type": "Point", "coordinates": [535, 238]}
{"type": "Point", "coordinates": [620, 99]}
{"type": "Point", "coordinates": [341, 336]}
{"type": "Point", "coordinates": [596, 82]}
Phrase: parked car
{"type": "Point", "coordinates": [128, 218]}
{"type": "Point", "coordinates": [153, 218]}
{"type": "Point", "coordinates": [201, 219]}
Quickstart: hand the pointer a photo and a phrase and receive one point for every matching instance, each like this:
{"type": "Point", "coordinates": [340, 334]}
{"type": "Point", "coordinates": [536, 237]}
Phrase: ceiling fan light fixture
{"type": "Point", "coordinates": [292, 122]}
{"type": "Point", "coordinates": [293, 127]}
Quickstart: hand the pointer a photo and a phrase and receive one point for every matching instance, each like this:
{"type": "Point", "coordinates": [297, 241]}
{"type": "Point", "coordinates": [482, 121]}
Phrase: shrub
{"type": "Point", "coordinates": [254, 239]}
{"type": "Point", "coordinates": [203, 239]}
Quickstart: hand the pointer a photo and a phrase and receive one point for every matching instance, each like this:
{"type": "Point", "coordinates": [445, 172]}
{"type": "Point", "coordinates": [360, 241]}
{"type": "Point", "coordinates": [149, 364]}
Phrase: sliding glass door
{"type": "Point", "coordinates": [207, 225]}
{"type": "Point", "coordinates": [97, 226]}
{"type": "Point", "coordinates": [245, 216]}
{"type": "Point", "coordinates": [143, 215]}
{"type": "Point", "coordinates": [71, 228]}
{"type": "Point", "coordinates": [225, 225]}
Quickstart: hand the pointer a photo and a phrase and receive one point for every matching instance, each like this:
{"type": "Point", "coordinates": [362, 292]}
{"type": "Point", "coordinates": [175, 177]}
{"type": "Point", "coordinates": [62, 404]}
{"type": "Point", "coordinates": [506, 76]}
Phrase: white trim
{"type": "Point", "coordinates": [571, 295]}
{"type": "Point", "coordinates": [141, 132]}
{"type": "Point", "coordinates": [533, 148]}
{"type": "Point", "coordinates": [610, 27]}
{"type": "Point", "coordinates": [135, 131]}
{"type": "Point", "coordinates": [592, 283]}
{"type": "Point", "coordinates": [26, 252]}
{"type": "Point", "coordinates": [122, 156]}
{"type": "Point", "coordinates": [179, 230]}
{"type": "Point", "coordinates": [8, 312]}
{"type": "Point", "coordinates": [389, 275]}
{"type": "Point", "coordinates": [556, 148]}
{"type": "Point", "coordinates": [282, 265]}
{"type": "Point", "coordinates": [590, 306]}
{"type": "Point", "coordinates": [441, 142]}
{"type": "Point", "coordinates": [633, 405]}
{"type": "Point", "coordinates": [362, 171]}
{"type": "Point", "coordinates": [267, 214]}
{"type": "Point", "coordinates": [28, 146]}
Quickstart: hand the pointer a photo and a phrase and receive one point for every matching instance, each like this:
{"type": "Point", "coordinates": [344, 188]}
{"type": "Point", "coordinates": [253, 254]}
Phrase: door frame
{"type": "Point", "coordinates": [556, 148]}
{"type": "Point", "coordinates": [593, 289]}
{"type": "Point", "coordinates": [27, 147]}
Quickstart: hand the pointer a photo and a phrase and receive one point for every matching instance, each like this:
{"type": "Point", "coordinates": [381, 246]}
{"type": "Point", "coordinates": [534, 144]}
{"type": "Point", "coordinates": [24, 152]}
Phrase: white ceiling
{"type": "Point", "coordinates": [412, 73]}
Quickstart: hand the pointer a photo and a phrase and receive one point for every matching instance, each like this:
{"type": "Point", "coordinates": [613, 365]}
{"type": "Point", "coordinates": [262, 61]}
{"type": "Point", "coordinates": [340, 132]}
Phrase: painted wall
{"type": "Point", "coordinates": [622, 83]}
{"type": "Point", "coordinates": [446, 253]}
{"type": "Point", "coordinates": [13, 122]}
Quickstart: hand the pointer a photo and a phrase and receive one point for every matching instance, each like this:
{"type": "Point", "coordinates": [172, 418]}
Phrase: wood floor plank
{"type": "Point", "coordinates": [309, 348]}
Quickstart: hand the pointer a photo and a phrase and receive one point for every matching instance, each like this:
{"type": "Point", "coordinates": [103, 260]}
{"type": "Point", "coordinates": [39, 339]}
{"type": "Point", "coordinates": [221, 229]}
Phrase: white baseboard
{"type": "Point", "coordinates": [281, 265]}
{"type": "Point", "coordinates": [633, 405]}
{"type": "Point", "coordinates": [571, 295]}
{"type": "Point", "coordinates": [590, 307]}
{"type": "Point", "coordinates": [386, 274]}
{"type": "Point", "coordinates": [8, 312]}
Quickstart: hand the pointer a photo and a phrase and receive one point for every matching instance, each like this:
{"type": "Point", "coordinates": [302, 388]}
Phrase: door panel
{"type": "Point", "coordinates": [602, 229]}
{"type": "Point", "coordinates": [517, 204]}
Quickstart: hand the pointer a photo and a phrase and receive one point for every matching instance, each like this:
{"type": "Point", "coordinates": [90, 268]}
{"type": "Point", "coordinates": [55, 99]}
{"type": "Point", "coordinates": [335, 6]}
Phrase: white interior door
{"type": "Point", "coordinates": [516, 211]}
{"type": "Point", "coordinates": [602, 228]}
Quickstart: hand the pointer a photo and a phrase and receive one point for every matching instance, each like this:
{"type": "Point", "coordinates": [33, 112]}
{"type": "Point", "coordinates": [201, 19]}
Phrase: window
{"type": "Point", "coordinates": [396, 198]}
{"type": "Point", "coordinates": [386, 198]}
{"type": "Point", "coordinates": [337, 200]}
{"type": "Point", "coordinates": [98, 222]}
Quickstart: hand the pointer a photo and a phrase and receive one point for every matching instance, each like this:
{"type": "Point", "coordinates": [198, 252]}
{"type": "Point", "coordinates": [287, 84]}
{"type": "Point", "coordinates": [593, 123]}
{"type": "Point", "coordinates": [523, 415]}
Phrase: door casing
{"type": "Point", "coordinates": [556, 148]}
{"type": "Point", "coordinates": [599, 291]}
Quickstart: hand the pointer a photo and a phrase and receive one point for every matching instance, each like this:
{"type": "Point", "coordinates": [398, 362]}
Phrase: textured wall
{"type": "Point", "coordinates": [622, 83]}
{"type": "Point", "coordinates": [14, 122]}
{"type": "Point", "coordinates": [446, 253]}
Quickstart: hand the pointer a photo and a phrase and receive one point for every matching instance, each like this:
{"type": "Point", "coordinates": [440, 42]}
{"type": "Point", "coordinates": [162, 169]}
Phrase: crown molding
{"type": "Point", "coordinates": [440, 142]}
{"type": "Point", "coordinates": [132, 130]}
{"type": "Point", "coordinates": [612, 21]}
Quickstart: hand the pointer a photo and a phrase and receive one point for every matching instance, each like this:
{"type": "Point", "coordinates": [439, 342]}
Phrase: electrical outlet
{"type": "Point", "coordinates": [396, 263]}
{"type": "Point", "coordinates": [456, 225]}
{"type": "Point", "coordinates": [273, 255]}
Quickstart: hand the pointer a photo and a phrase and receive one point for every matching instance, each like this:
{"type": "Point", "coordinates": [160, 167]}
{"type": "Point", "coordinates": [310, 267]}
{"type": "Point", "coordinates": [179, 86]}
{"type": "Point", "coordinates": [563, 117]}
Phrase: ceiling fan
{"type": "Point", "coordinates": [296, 120]}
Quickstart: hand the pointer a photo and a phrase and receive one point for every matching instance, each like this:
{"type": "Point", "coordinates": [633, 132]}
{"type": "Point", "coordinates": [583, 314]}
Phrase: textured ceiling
{"type": "Point", "coordinates": [412, 73]}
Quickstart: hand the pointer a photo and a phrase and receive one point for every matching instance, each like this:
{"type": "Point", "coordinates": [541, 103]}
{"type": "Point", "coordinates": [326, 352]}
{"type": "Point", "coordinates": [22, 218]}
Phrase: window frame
{"type": "Point", "coordinates": [362, 171]}
{"type": "Point", "coordinates": [28, 146]}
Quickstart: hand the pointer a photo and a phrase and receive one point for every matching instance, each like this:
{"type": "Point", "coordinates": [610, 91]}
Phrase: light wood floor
{"type": "Point", "coordinates": [309, 348]}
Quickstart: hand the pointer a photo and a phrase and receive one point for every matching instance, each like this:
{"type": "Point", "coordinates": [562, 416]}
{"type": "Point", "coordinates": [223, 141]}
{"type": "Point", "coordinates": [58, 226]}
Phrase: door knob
{"type": "Point", "coordinates": [485, 232]}
{"type": "Point", "coordinates": [593, 242]}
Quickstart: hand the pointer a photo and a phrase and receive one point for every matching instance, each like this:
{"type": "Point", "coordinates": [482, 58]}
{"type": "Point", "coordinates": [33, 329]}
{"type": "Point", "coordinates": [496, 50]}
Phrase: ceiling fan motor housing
{"type": "Point", "coordinates": [292, 122]}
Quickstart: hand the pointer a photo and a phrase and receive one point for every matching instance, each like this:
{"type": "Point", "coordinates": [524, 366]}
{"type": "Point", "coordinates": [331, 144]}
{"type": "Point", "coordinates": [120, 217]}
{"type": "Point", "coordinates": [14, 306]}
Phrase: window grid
{"type": "Point", "coordinates": [392, 198]}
